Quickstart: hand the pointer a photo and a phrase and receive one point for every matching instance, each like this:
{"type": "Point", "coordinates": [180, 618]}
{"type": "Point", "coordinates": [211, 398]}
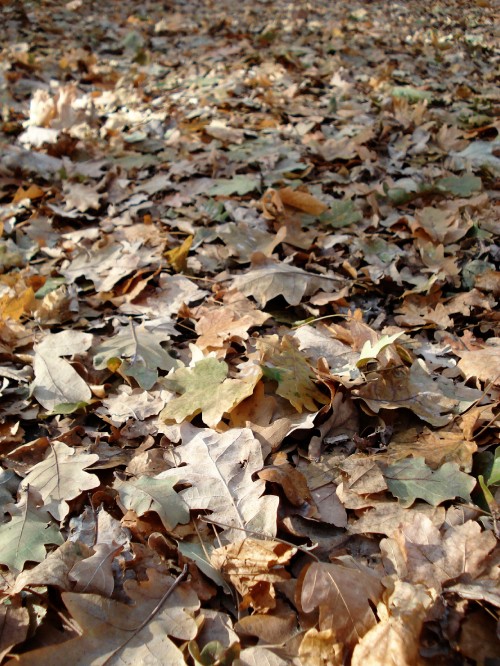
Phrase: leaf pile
{"type": "Point", "coordinates": [249, 336]}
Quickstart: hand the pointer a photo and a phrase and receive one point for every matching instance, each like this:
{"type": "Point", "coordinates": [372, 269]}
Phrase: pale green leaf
{"type": "Point", "coordinates": [158, 495]}
{"type": "Point", "coordinates": [412, 479]}
{"type": "Point", "coordinates": [370, 351]}
{"type": "Point", "coordinates": [237, 185]}
{"type": "Point", "coordinates": [23, 539]}
{"type": "Point", "coordinates": [460, 186]}
{"type": "Point", "coordinates": [341, 214]}
{"type": "Point", "coordinates": [205, 388]}
{"type": "Point", "coordinates": [140, 351]}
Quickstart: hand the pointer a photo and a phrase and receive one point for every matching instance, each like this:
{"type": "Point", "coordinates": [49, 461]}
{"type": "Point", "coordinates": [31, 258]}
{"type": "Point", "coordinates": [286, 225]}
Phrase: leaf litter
{"type": "Point", "coordinates": [249, 333]}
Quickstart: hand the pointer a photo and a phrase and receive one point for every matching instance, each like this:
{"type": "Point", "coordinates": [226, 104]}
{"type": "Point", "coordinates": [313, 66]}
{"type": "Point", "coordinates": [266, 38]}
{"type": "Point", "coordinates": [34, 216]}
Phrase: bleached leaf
{"type": "Point", "coordinates": [219, 468]}
{"type": "Point", "coordinates": [61, 477]}
{"type": "Point", "coordinates": [291, 282]}
{"type": "Point", "coordinates": [56, 381]}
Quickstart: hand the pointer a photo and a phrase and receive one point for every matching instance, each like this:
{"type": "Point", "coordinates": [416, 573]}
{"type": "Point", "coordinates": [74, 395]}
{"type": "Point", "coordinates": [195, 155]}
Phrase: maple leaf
{"type": "Point", "coordinates": [61, 477]}
{"type": "Point", "coordinates": [56, 381]}
{"type": "Point", "coordinates": [205, 388]}
{"type": "Point", "coordinates": [139, 351]}
{"type": "Point", "coordinates": [285, 364]}
{"type": "Point", "coordinates": [24, 537]}
{"type": "Point", "coordinates": [410, 479]}
{"type": "Point", "coordinates": [219, 468]}
{"type": "Point", "coordinates": [154, 494]}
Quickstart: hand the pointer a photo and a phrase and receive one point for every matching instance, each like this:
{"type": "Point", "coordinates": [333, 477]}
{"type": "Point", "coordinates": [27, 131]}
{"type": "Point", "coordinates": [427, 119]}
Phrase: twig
{"type": "Point", "coordinates": [303, 549]}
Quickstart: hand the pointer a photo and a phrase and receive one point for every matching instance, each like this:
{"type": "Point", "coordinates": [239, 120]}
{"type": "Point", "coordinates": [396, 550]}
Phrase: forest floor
{"type": "Point", "coordinates": [250, 350]}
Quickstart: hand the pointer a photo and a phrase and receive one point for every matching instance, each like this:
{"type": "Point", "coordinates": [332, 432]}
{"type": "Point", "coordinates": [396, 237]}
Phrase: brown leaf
{"type": "Point", "coordinates": [342, 594]}
{"type": "Point", "coordinates": [253, 566]}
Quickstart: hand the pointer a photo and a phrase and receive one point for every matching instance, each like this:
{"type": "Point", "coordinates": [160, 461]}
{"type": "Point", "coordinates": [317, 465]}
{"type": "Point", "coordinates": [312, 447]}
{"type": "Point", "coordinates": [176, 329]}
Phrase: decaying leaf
{"type": "Point", "coordinates": [253, 566]}
{"type": "Point", "coordinates": [116, 633]}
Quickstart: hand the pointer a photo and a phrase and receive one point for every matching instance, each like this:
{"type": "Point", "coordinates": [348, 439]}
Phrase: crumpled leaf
{"type": "Point", "coordinates": [284, 363]}
{"type": "Point", "coordinates": [433, 398]}
{"type": "Point", "coordinates": [420, 553]}
{"type": "Point", "coordinates": [56, 381]}
{"type": "Point", "coordinates": [24, 537]}
{"type": "Point", "coordinates": [140, 352]}
{"type": "Point", "coordinates": [252, 566]}
{"type": "Point", "coordinates": [61, 477]}
{"type": "Point", "coordinates": [411, 478]}
{"type": "Point", "coordinates": [205, 388]}
{"type": "Point", "coordinates": [154, 494]}
{"type": "Point", "coordinates": [220, 468]}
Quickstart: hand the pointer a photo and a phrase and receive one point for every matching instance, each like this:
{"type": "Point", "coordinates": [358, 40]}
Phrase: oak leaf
{"type": "Point", "coordinates": [61, 477]}
{"type": "Point", "coordinates": [411, 478]}
{"type": "Point", "coordinates": [56, 381]}
{"type": "Point", "coordinates": [205, 388]}
{"type": "Point", "coordinates": [153, 494]}
{"type": "Point", "coordinates": [252, 566]}
{"type": "Point", "coordinates": [115, 633]}
{"type": "Point", "coordinates": [139, 351]}
{"type": "Point", "coordinates": [284, 363]}
{"type": "Point", "coordinates": [24, 537]}
{"type": "Point", "coordinates": [220, 468]}
{"type": "Point", "coordinates": [265, 282]}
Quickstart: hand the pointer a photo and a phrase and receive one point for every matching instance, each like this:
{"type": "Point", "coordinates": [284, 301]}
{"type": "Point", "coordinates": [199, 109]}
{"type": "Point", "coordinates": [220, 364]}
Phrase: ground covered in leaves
{"type": "Point", "coordinates": [249, 370]}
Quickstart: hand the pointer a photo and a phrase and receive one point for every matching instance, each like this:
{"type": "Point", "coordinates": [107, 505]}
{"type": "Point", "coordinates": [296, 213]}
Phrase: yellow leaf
{"type": "Point", "coordinates": [13, 307]}
{"type": "Point", "coordinates": [33, 192]}
{"type": "Point", "coordinates": [302, 201]}
{"type": "Point", "coordinates": [178, 256]}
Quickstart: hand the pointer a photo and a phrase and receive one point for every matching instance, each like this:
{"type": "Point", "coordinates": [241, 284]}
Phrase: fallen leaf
{"type": "Point", "coordinates": [61, 477]}
{"type": "Point", "coordinates": [153, 494]}
{"type": "Point", "coordinates": [56, 381]}
{"type": "Point", "coordinates": [219, 468]}
{"type": "Point", "coordinates": [24, 537]}
{"type": "Point", "coordinates": [342, 595]}
{"type": "Point", "coordinates": [411, 478]}
{"type": "Point", "coordinates": [205, 388]}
